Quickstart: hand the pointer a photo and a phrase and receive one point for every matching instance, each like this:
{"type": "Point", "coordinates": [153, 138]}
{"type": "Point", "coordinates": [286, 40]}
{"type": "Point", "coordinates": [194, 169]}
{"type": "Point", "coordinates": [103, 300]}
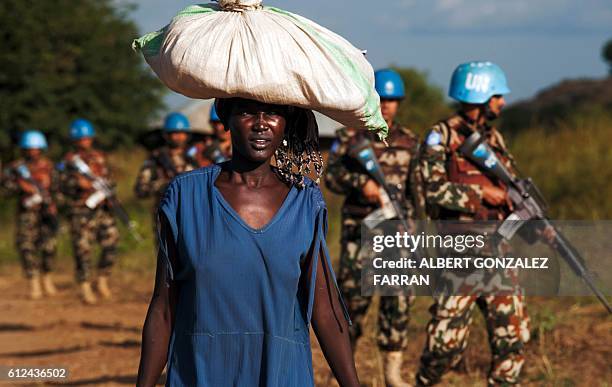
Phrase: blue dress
{"type": "Point", "coordinates": [243, 310]}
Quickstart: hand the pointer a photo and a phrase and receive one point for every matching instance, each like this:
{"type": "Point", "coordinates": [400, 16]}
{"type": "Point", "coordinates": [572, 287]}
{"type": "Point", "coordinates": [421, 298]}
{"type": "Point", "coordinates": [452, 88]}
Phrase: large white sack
{"type": "Point", "coordinates": [240, 48]}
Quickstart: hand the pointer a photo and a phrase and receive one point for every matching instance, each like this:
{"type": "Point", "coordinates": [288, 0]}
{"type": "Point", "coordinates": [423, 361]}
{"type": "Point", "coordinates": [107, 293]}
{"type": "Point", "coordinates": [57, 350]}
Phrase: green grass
{"type": "Point", "coordinates": [570, 162]}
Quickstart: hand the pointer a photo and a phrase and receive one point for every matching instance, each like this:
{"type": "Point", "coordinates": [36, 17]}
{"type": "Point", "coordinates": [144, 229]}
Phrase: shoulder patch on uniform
{"type": "Point", "coordinates": [434, 138]}
{"type": "Point", "coordinates": [192, 152]}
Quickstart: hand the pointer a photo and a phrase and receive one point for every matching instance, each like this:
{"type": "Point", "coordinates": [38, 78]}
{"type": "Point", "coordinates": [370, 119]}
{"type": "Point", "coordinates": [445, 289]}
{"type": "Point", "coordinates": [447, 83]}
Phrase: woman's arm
{"type": "Point", "coordinates": [159, 322]}
{"type": "Point", "coordinates": [331, 327]}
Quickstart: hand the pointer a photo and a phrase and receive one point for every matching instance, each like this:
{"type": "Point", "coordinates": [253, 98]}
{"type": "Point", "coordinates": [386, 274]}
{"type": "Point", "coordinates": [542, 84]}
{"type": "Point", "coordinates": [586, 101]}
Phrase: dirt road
{"type": "Point", "coordinates": [101, 344]}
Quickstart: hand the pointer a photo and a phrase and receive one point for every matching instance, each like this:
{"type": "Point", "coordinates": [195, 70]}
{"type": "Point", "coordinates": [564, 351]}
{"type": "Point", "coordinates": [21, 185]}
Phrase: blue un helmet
{"type": "Point", "coordinates": [32, 139]}
{"type": "Point", "coordinates": [81, 128]}
{"type": "Point", "coordinates": [213, 114]}
{"type": "Point", "coordinates": [477, 82]}
{"type": "Point", "coordinates": [389, 84]}
{"type": "Point", "coordinates": [176, 122]}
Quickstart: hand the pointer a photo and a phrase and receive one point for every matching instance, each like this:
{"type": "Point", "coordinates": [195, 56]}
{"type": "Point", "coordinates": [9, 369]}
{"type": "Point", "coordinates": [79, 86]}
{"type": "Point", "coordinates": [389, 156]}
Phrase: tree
{"type": "Point", "coordinates": [64, 59]}
{"type": "Point", "coordinates": [424, 103]}
{"type": "Point", "coordinates": [606, 53]}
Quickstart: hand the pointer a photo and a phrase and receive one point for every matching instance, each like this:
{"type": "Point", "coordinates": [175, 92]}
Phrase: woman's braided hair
{"type": "Point", "coordinates": [298, 155]}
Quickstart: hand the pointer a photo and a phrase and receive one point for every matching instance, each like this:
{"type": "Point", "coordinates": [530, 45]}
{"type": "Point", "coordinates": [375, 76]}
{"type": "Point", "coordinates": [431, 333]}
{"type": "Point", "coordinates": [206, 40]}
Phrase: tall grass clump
{"type": "Point", "coordinates": [571, 162]}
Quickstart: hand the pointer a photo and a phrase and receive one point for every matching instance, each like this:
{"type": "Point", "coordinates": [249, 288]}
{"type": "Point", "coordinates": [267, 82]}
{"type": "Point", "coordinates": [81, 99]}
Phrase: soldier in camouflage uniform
{"type": "Point", "coordinates": [34, 180]}
{"type": "Point", "coordinates": [165, 162]}
{"type": "Point", "coordinates": [91, 217]}
{"type": "Point", "coordinates": [213, 150]}
{"type": "Point", "coordinates": [457, 190]}
{"type": "Point", "coordinates": [345, 176]}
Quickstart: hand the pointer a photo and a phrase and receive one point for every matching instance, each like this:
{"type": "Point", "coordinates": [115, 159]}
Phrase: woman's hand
{"type": "Point", "coordinates": [331, 328]}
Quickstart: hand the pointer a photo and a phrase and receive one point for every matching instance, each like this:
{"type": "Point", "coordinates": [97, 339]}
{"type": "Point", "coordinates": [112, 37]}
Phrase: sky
{"type": "Point", "coordinates": [537, 42]}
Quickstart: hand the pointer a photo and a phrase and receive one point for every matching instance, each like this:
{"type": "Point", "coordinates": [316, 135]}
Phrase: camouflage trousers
{"type": "Point", "coordinates": [35, 236]}
{"type": "Point", "coordinates": [90, 226]}
{"type": "Point", "coordinates": [394, 312]}
{"type": "Point", "coordinates": [449, 329]}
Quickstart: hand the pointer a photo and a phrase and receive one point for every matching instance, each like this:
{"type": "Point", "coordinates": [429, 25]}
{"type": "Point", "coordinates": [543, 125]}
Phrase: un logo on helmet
{"type": "Point", "coordinates": [389, 87]}
{"type": "Point", "coordinates": [477, 82]}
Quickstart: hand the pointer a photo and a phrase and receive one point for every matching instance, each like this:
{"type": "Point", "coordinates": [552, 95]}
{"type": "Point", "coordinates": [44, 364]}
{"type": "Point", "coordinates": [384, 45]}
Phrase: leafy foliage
{"type": "Point", "coordinates": [64, 59]}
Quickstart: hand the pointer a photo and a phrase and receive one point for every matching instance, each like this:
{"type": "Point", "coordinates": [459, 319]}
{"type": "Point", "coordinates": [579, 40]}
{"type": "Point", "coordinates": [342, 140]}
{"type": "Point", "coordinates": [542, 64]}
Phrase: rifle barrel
{"type": "Point", "coordinates": [577, 264]}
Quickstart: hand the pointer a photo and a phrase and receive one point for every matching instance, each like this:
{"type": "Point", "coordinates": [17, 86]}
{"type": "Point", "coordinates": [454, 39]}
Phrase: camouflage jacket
{"type": "Point", "coordinates": [346, 176]}
{"type": "Point", "coordinates": [200, 152]}
{"type": "Point", "coordinates": [42, 172]}
{"type": "Point", "coordinates": [453, 184]}
{"type": "Point", "coordinates": [197, 153]}
{"type": "Point", "coordinates": [75, 195]}
{"type": "Point", "coordinates": [159, 169]}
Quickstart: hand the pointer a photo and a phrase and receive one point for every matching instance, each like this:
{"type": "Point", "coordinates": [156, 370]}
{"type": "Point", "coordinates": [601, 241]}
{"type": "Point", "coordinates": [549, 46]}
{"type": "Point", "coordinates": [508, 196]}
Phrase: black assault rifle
{"type": "Point", "coordinates": [363, 152]}
{"type": "Point", "coordinates": [103, 192]}
{"type": "Point", "coordinates": [214, 153]}
{"type": "Point", "coordinates": [167, 165]}
{"type": "Point", "coordinates": [528, 205]}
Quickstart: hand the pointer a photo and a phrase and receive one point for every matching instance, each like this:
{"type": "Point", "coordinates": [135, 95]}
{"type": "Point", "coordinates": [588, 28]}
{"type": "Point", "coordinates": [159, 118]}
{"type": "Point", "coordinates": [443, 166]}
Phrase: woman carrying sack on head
{"type": "Point", "coordinates": [243, 268]}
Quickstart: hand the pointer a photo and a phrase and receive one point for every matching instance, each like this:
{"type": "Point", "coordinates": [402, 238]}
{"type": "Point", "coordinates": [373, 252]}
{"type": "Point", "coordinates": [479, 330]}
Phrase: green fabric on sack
{"type": "Point", "coordinates": [151, 43]}
{"type": "Point", "coordinates": [197, 9]}
{"type": "Point", "coordinates": [375, 120]}
{"type": "Point", "coordinates": [371, 116]}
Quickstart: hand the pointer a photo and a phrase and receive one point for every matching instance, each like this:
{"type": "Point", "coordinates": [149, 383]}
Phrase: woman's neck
{"type": "Point", "coordinates": [253, 174]}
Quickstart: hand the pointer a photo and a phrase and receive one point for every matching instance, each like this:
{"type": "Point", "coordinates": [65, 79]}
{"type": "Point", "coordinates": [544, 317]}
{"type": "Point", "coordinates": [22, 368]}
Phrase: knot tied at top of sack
{"type": "Point", "coordinates": [240, 5]}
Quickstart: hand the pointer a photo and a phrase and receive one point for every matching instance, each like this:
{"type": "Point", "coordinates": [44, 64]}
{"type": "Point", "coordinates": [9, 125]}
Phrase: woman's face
{"type": "Point", "coordinates": [257, 129]}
